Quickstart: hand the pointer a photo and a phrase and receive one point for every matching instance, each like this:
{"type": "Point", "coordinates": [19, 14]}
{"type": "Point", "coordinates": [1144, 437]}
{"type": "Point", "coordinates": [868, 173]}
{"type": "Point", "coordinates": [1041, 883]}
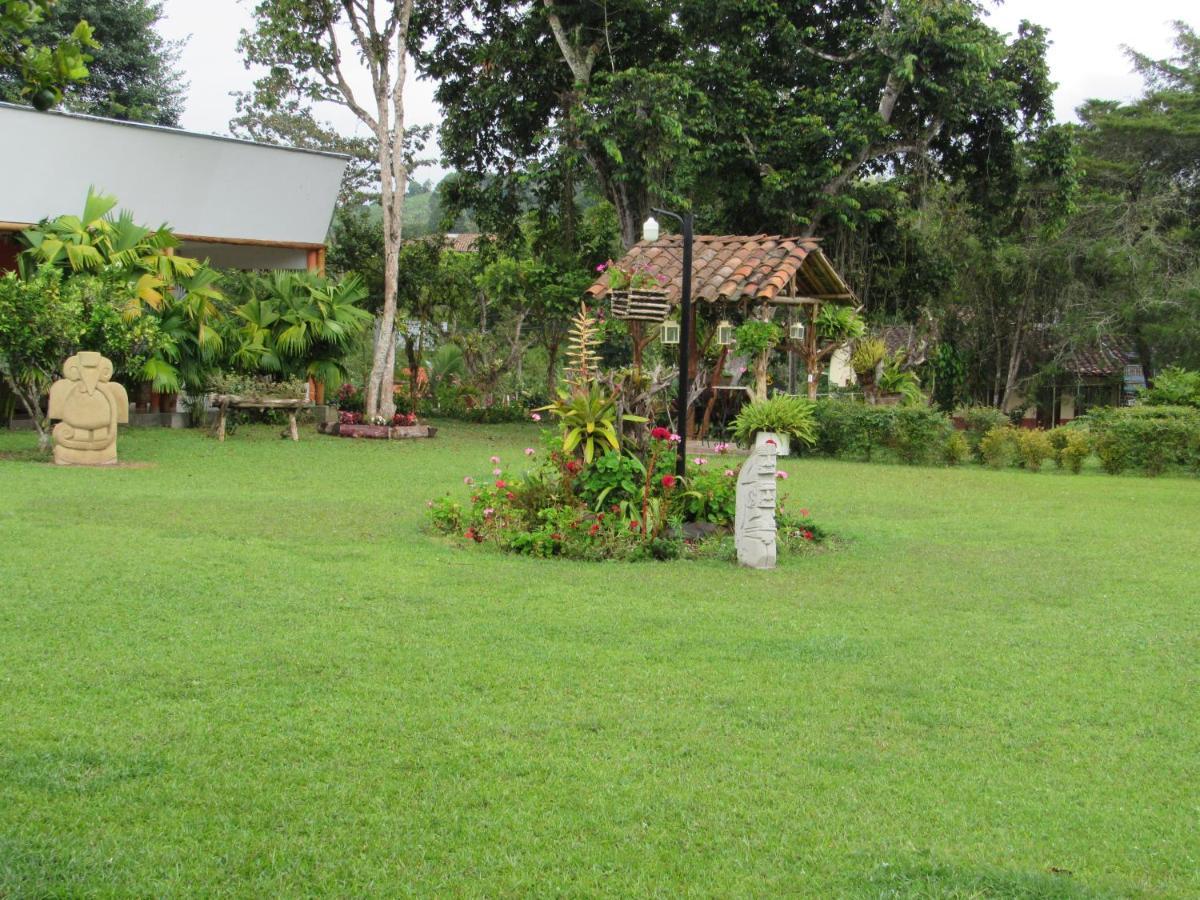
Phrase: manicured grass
{"type": "Point", "coordinates": [244, 669]}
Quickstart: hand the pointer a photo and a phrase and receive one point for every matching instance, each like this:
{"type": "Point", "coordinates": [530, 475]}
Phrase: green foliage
{"type": "Point", "coordinates": [838, 324]}
{"type": "Point", "coordinates": [781, 414]}
{"type": "Point", "coordinates": [257, 387]}
{"type": "Point", "coordinates": [587, 416]}
{"type": "Point", "coordinates": [612, 477]}
{"type": "Point", "coordinates": [868, 354]}
{"type": "Point", "coordinates": [894, 379]}
{"type": "Point", "coordinates": [754, 337]}
{"type": "Point", "coordinates": [711, 496]}
{"type": "Point", "coordinates": [979, 420]}
{"type": "Point", "coordinates": [1173, 386]}
{"type": "Point", "coordinates": [956, 451]}
{"type": "Point", "coordinates": [855, 430]}
{"type": "Point", "coordinates": [37, 63]}
{"type": "Point", "coordinates": [132, 74]}
{"type": "Point", "coordinates": [1034, 447]}
{"type": "Point", "coordinates": [1073, 445]}
{"type": "Point", "coordinates": [1147, 439]}
{"type": "Point", "coordinates": [999, 446]}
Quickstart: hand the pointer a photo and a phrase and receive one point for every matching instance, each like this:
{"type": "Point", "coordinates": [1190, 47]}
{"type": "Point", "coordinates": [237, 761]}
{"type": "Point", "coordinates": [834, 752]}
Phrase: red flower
{"type": "Point", "coordinates": [660, 433]}
{"type": "Point", "coordinates": [634, 525]}
{"type": "Point", "coordinates": [668, 481]}
{"type": "Point", "coordinates": [804, 513]}
{"type": "Point", "coordinates": [574, 466]}
{"type": "Point", "coordinates": [511, 496]}
{"type": "Point", "coordinates": [615, 508]}
{"type": "Point", "coordinates": [807, 535]}
{"type": "Point", "coordinates": [594, 529]}
{"type": "Point", "coordinates": [556, 536]}
{"type": "Point", "coordinates": [501, 484]}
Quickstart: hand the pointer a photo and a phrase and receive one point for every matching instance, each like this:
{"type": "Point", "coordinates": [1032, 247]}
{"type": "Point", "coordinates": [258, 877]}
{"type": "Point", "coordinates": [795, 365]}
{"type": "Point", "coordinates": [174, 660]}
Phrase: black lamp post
{"type": "Point", "coordinates": [650, 233]}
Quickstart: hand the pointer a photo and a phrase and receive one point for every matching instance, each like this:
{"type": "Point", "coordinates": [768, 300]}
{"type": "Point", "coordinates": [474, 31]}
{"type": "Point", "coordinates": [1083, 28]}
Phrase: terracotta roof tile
{"type": "Point", "coordinates": [731, 268]}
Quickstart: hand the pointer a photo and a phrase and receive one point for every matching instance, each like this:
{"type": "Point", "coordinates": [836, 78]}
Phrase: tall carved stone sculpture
{"type": "Point", "coordinates": [754, 523]}
{"type": "Point", "coordinates": [90, 407]}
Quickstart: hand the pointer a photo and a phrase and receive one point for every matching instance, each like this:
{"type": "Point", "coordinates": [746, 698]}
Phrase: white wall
{"type": "Point", "coordinates": [199, 185]}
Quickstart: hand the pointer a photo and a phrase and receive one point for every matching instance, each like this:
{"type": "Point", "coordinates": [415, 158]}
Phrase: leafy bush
{"type": "Point", "coordinates": [917, 433]}
{"type": "Point", "coordinates": [611, 478]}
{"type": "Point", "coordinates": [999, 447]}
{"type": "Point", "coordinates": [781, 414]}
{"type": "Point", "coordinates": [1034, 448]}
{"type": "Point", "coordinates": [1173, 386]}
{"type": "Point", "coordinates": [979, 420]}
{"type": "Point", "coordinates": [956, 450]}
{"type": "Point", "coordinates": [1073, 445]}
{"type": "Point", "coordinates": [1146, 439]}
{"type": "Point", "coordinates": [257, 387]}
{"type": "Point", "coordinates": [710, 497]}
{"type": "Point", "coordinates": [754, 336]}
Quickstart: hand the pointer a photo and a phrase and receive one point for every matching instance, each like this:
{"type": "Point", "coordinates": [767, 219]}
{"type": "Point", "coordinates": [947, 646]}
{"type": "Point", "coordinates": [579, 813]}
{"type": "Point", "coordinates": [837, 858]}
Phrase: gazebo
{"type": "Point", "coordinates": [760, 274]}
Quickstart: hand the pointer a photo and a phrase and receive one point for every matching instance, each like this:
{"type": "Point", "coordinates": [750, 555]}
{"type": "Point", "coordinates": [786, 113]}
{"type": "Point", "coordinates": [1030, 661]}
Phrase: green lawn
{"type": "Point", "coordinates": [243, 668]}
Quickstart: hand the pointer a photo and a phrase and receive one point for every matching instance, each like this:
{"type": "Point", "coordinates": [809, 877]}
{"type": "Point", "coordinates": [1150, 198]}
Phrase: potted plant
{"type": "Point", "coordinates": [783, 418]}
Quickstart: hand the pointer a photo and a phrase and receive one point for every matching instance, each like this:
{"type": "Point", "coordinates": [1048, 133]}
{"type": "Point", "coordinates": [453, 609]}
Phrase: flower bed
{"type": "Point", "coordinates": [622, 505]}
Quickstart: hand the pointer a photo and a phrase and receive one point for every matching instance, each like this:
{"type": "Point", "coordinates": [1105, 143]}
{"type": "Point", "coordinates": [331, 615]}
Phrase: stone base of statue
{"type": "Point", "coordinates": [754, 522]}
{"type": "Point", "coordinates": [90, 407]}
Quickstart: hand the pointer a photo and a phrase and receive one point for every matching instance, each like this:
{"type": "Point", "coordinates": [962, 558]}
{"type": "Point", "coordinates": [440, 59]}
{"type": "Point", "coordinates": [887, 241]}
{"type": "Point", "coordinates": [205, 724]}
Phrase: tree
{"type": "Point", "coordinates": [34, 69]}
{"type": "Point", "coordinates": [133, 73]}
{"type": "Point", "coordinates": [306, 45]}
{"type": "Point", "coordinates": [761, 115]}
{"type": "Point", "coordinates": [41, 321]}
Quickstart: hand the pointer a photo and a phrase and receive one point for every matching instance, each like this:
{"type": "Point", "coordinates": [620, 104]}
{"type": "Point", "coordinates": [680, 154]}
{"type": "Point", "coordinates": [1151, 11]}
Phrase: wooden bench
{"type": "Point", "coordinates": [226, 402]}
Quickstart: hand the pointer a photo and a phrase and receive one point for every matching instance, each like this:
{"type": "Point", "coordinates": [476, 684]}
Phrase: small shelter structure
{"type": "Point", "coordinates": [751, 275]}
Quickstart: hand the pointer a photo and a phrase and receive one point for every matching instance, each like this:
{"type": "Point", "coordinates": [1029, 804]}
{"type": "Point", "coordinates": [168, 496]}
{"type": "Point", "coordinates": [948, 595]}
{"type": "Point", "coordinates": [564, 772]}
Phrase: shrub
{"type": "Point", "coordinates": [782, 414]}
{"type": "Point", "coordinates": [1034, 447]}
{"type": "Point", "coordinates": [1076, 446]}
{"type": "Point", "coordinates": [956, 450]}
{"type": "Point", "coordinates": [918, 433]}
{"type": "Point", "coordinates": [979, 421]}
{"type": "Point", "coordinates": [998, 446]}
{"type": "Point", "coordinates": [710, 497]}
{"type": "Point", "coordinates": [1173, 386]}
{"type": "Point", "coordinates": [1146, 439]}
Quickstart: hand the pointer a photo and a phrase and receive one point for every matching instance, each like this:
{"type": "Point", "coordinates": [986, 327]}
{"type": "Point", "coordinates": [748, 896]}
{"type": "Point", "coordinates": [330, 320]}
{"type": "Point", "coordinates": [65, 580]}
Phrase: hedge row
{"type": "Point", "coordinates": [1145, 439]}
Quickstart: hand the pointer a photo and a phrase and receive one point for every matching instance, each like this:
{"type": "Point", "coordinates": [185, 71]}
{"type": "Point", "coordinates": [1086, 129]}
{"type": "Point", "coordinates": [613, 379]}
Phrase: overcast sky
{"type": "Point", "coordinates": [1086, 58]}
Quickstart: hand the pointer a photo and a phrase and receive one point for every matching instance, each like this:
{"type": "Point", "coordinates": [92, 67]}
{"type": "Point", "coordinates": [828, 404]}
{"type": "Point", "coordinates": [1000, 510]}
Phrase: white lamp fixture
{"type": "Point", "coordinates": [670, 333]}
{"type": "Point", "coordinates": [796, 332]}
{"type": "Point", "coordinates": [725, 333]}
{"type": "Point", "coordinates": [650, 229]}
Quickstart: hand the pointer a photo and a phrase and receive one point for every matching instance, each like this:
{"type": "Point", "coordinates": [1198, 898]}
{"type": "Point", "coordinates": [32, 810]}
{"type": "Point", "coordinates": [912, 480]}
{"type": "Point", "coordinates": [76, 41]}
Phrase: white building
{"type": "Point", "coordinates": [239, 204]}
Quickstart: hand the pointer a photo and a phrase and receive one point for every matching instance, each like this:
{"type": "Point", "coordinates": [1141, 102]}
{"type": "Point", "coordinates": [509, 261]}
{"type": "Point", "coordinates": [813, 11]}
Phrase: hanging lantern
{"type": "Point", "coordinates": [669, 334]}
{"type": "Point", "coordinates": [725, 333]}
{"type": "Point", "coordinates": [796, 331]}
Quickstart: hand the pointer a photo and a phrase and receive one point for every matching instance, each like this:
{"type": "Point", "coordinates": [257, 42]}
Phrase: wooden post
{"type": "Point", "coordinates": [221, 419]}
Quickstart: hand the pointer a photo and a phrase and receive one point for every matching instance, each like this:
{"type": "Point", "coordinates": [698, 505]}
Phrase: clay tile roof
{"type": "Point", "coordinates": [733, 268]}
{"type": "Point", "coordinates": [1100, 360]}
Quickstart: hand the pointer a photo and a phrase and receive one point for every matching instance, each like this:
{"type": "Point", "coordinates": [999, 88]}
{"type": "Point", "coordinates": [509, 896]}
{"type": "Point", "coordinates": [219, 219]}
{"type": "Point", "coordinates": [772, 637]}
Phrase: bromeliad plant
{"type": "Point", "coordinates": [585, 409]}
{"type": "Point", "coordinates": [641, 277]}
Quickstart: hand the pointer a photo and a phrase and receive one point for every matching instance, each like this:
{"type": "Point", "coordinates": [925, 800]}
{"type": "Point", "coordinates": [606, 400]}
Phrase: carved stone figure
{"type": "Point", "coordinates": [90, 407]}
{"type": "Point", "coordinates": [754, 523]}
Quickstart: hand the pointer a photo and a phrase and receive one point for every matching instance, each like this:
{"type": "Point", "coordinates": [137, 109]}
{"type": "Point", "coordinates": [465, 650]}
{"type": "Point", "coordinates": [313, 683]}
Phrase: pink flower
{"type": "Point", "coordinates": [804, 513]}
{"type": "Point", "coordinates": [700, 461]}
{"type": "Point", "coordinates": [537, 417]}
{"type": "Point", "coordinates": [497, 472]}
{"type": "Point", "coordinates": [467, 479]}
{"type": "Point", "coordinates": [674, 439]}
{"type": "Point", "coordinates": [488, 513]}
{"type": "Point", "coordinates": [601, 267]}
{"type": "Point", "coordinates": [529, 451]}
{"type": "Point", "coordinates": [495, 460]}
{"type": "Point", "coordinates": [781, 475]}
{"type": "Point", "coordinates": [729, 473]}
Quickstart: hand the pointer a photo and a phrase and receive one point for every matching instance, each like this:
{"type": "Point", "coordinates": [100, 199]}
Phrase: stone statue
{"type": "Point", "coordinates": [90, 407]}
{"type": "Point", "coordinates": [754, 524]}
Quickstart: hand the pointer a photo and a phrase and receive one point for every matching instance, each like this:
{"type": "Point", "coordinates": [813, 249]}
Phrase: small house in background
{"type": "Point", "coordinates": [1105, 373]}
{"type": "Point", "coordinates": [239, 204]}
